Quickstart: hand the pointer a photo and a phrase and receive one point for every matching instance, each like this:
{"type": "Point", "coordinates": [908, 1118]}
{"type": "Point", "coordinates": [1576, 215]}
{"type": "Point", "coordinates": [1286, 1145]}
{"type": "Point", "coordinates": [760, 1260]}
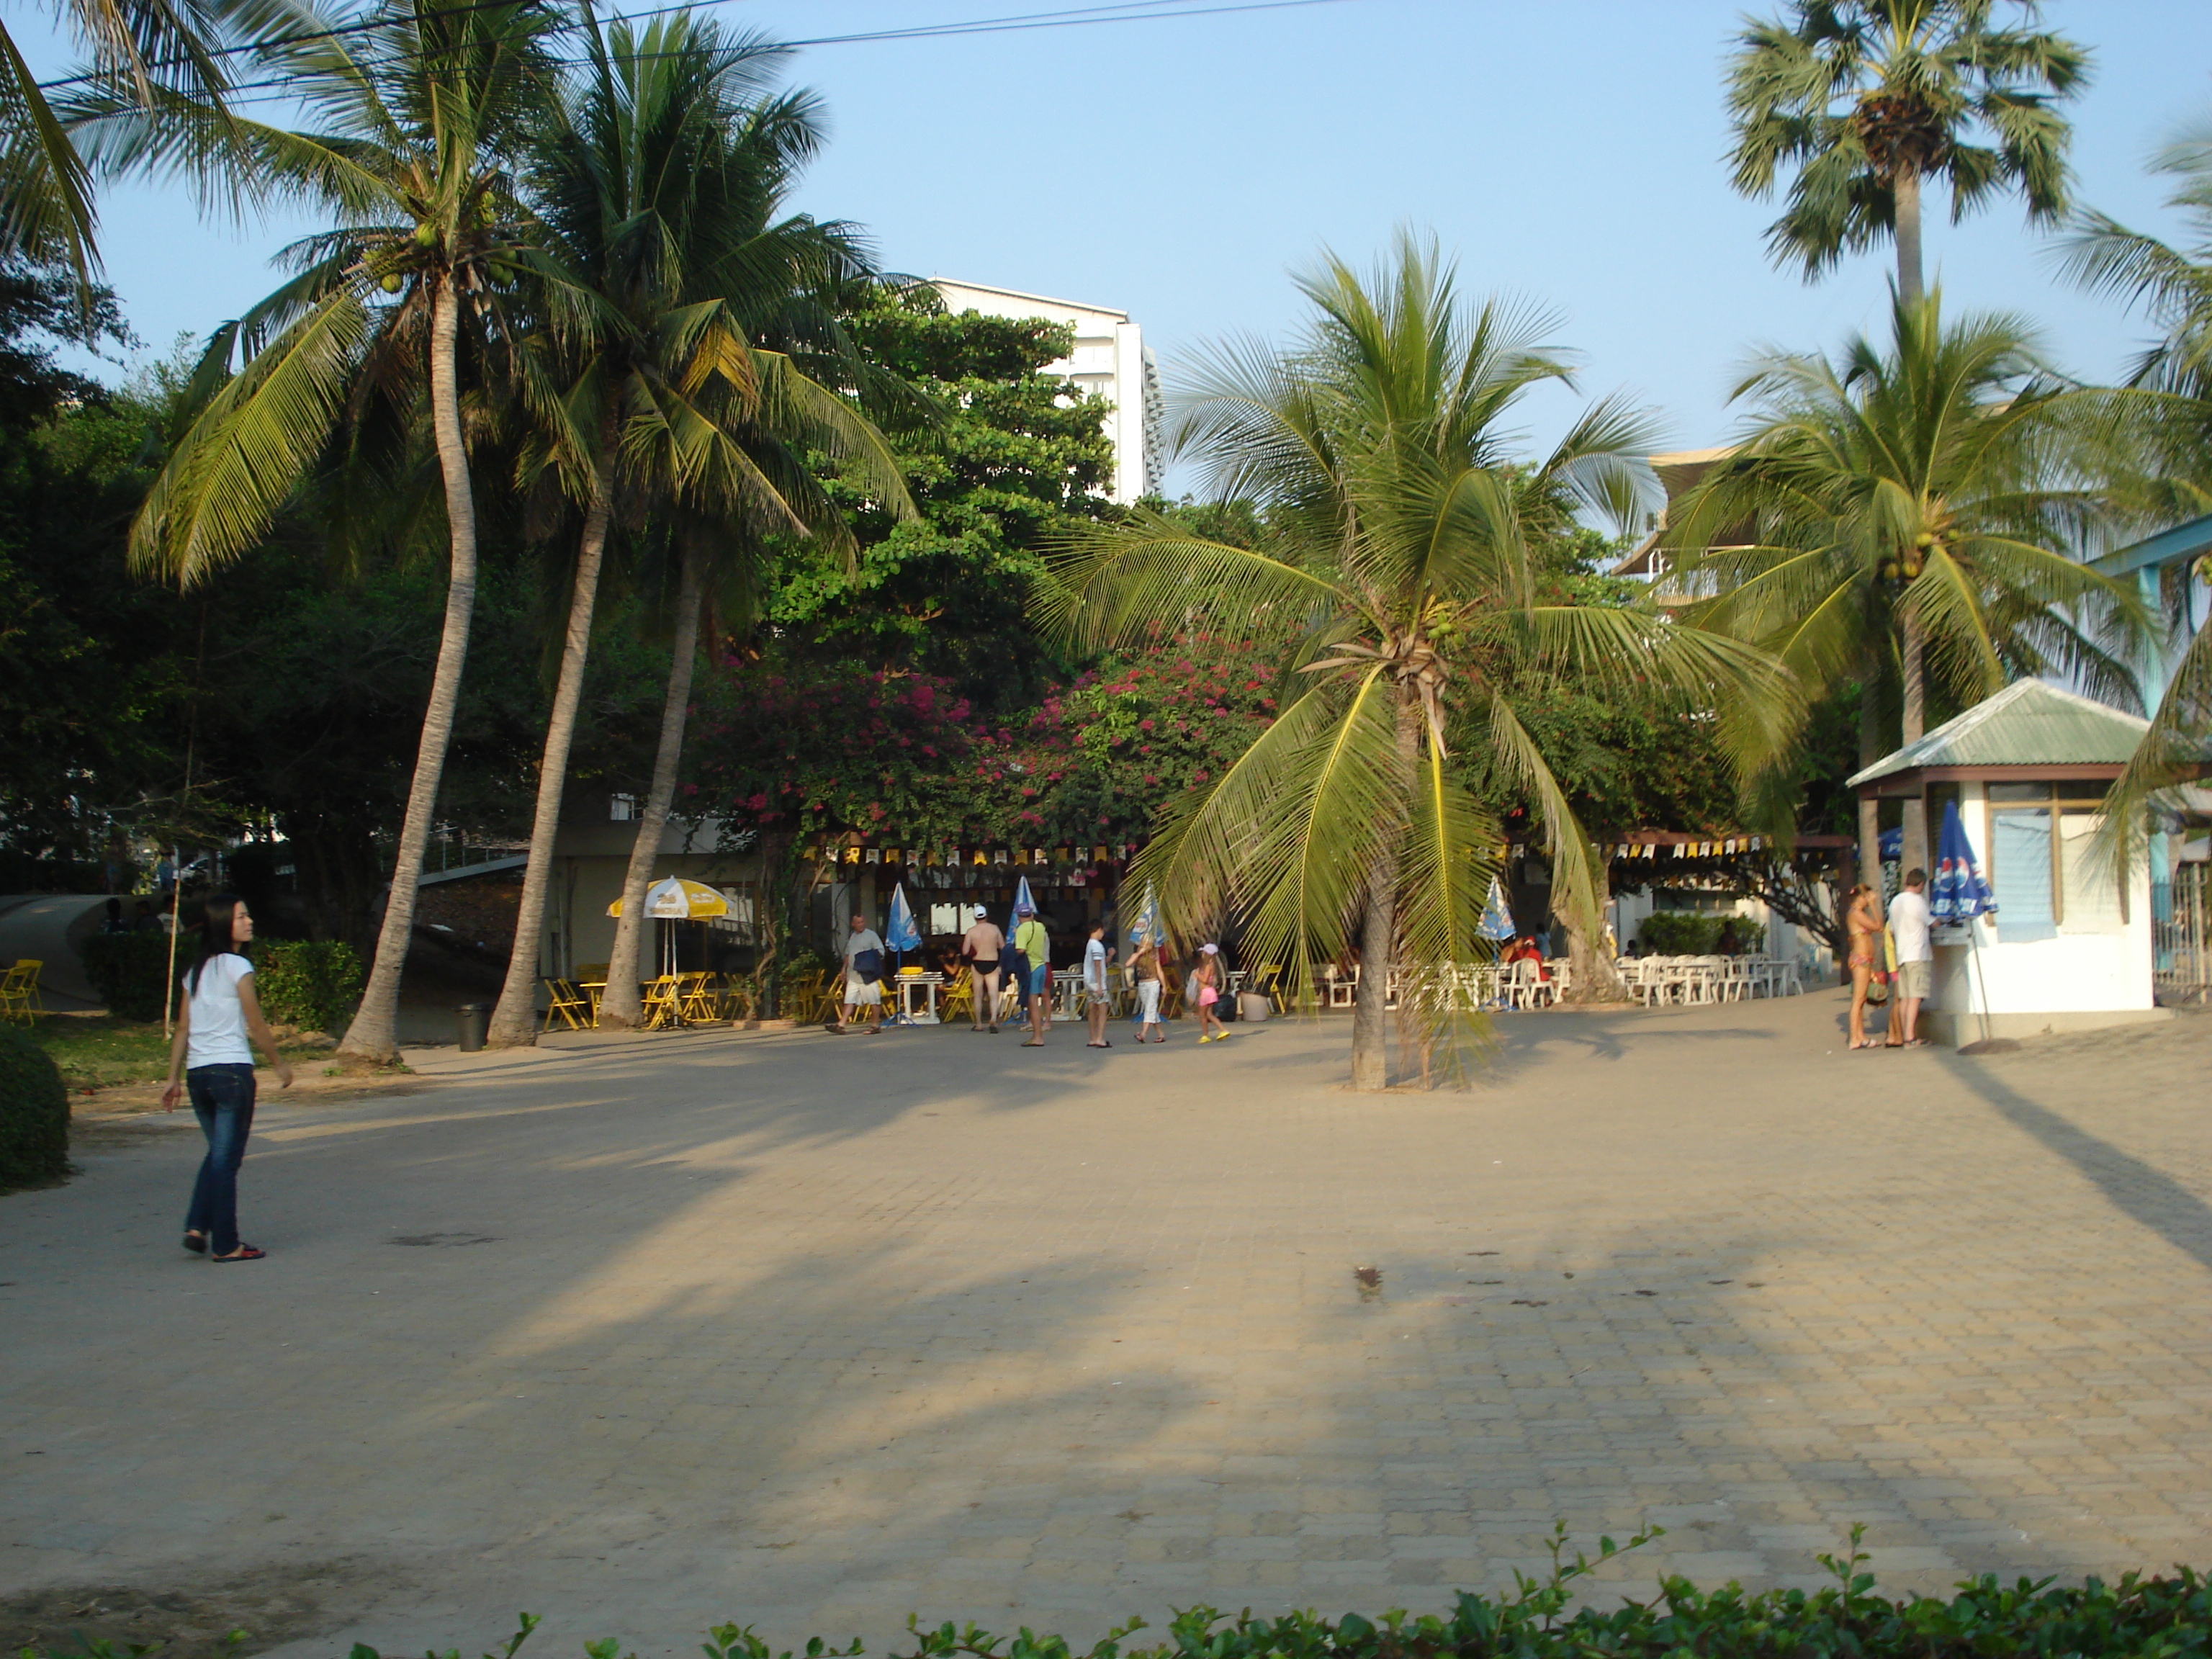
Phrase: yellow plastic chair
{"type": "Point", "coordinates": [567, 1004]}
{"type": "Point", "coordinates": [698, 999]}
{"type": "Point", "coordinates": [19, 992]}
{"type": "Point", "coordinates": [658, 1002]}
{"type": "Point", "coordinates": [959, 996]}
{"type": "Point", "coordinates": [1269, 982]}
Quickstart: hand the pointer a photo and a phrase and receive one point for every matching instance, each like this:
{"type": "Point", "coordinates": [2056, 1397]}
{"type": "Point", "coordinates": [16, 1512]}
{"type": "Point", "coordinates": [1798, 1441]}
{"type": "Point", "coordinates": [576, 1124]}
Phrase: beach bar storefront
{"type": "Point", "coordinates": [2071, 945]}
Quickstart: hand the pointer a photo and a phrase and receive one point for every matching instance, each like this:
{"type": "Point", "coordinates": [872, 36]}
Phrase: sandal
{"type": "Point", "coordinates": [244, 1253]}
{"type": "Point", "coordinates": [195, 1241]}
{"type": "Point", "coordinates": [1032, 1043]}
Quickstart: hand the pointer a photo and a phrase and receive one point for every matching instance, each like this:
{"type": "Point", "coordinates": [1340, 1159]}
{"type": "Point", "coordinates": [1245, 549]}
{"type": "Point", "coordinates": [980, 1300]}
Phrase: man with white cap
{"type": "Point", "coordinates": [984, 946]}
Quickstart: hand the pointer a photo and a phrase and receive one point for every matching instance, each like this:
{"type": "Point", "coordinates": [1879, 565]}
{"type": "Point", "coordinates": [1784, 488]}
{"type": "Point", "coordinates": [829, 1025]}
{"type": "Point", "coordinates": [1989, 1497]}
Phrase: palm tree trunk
{"type": "Point", "coordinates": [373, 1034]}
{"type": "Point", "coordinates": [1371, 1059]}
{"type": "Point", "coordinates": [1914, 726]}
{"type": "Point", "coordinates": [1870, 750]}
{"type": "Point", "coordinates": [1596, 980]}
{"type": "Point", "coordinates": [1906, 188]}
{"type": "Point", "coordinates": [514, 1021]}
{"type": "Point", "coordinates": [1378, 933]}
{"type": "Point", "coordinates": [619, 1006]}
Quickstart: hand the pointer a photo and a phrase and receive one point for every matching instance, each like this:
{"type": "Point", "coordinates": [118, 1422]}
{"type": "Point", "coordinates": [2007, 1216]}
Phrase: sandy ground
{"type": "Point", "coordinates": [812, 1331]}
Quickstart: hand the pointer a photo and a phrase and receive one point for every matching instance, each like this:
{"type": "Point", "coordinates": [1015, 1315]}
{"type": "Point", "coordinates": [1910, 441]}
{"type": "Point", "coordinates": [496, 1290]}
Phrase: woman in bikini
{"type": "Point", "coordinates": [1865, 921]}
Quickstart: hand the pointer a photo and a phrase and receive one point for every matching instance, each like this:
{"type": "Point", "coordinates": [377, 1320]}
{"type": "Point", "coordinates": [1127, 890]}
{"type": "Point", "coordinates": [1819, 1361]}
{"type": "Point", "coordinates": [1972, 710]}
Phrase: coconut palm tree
{"type": "Point", "coordinates": [2174, 285]}
{"type": "Point", "coordinates": [415, 120]}
{"type": "Point", "coordinates": [1402, 515]}
{"type": "Point", "coordinates": [1909, 509]}
{"type": "Point", "coordinates": [1867, 99]}
{"type": "Point", "coordinates": [655, 181]}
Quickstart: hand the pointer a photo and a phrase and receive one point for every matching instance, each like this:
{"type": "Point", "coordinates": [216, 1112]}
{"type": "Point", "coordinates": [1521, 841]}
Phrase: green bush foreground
{"type": "Point", "coordinates": [2156, 1616]}
{"type": "Point", "coordinates": [34, 1112]}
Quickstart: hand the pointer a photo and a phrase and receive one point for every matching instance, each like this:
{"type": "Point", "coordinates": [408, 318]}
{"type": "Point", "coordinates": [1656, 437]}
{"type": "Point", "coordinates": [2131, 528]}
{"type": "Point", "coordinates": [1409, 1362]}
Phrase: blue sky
{"type": "Point", "coordinates": [1568, 152]}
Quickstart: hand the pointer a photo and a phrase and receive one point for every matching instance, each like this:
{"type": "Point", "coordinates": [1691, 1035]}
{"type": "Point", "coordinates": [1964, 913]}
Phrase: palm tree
{"type": "Point", "coordinates": [1867, 99]}
{"type": "Point", "coordinates": [417, 119]}
{"type": "Point", "coordinates": [1399, 560]}
{"type": "Point", "coordinates": [1907, 510]}
{"type": "Point", "coordinates": [655, 181]}
{"type": "Point", "coordinates": [2174, 286]}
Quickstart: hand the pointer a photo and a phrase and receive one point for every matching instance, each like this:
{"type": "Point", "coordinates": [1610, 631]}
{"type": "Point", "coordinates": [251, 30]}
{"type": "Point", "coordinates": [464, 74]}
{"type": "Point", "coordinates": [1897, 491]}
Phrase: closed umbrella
{"type": "Point", "coordinates": [1023, 904]}
{"type": "Point", "coordinates": [1960, 893]}
{"type": "Point", "coordinates": [1497, 922]}
{"type": "Point", "coordinates": [903, 936]}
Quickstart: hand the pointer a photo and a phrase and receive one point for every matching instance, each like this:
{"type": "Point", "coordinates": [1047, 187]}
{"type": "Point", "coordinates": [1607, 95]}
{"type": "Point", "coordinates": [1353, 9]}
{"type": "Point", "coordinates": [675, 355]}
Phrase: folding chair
{"type": "Point", "coordinates": [959, 996]}
{"type": "Point", "coordinates": [659, 1003]}
{"type": "Point", "coordinates": [697, 1002]}
{"type": "Point", "coordinates": [19, 992]}
{"type": "Point", "coordinates": [567, 1003]}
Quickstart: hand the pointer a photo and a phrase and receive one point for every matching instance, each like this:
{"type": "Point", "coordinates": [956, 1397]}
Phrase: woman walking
{"type": "Point", "coordinates": [1145, 966]}
{"type": "Point", "coordinates": [1865, 921]}
{"type": "Point", "coordinates": [1205, 991]}
{"type": "Point", "coordinates": [220, 1015]}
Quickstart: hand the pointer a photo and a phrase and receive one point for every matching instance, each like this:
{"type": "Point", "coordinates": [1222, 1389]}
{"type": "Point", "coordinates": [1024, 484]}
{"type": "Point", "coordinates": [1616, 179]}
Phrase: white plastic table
{"type": "Point", "coordinates": [924, 986]}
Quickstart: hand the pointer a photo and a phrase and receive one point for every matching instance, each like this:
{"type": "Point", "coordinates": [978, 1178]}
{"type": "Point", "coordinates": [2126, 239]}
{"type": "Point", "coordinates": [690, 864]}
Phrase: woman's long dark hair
{"type": "Point", "coordinates": [215, 935]}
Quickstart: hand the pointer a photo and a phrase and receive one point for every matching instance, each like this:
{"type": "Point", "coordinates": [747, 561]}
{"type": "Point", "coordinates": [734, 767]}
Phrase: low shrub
{"type": "Point", "coordinates": [1686, 933]}
{"type": "Point", "coordinates": [128, 970]}
{"type": "Point", "coordinates": [34, 1112]}
{"type": "Point", "coordinates": [2158, 1617]}
{"type": "Point", "coordinates": [310, 983]}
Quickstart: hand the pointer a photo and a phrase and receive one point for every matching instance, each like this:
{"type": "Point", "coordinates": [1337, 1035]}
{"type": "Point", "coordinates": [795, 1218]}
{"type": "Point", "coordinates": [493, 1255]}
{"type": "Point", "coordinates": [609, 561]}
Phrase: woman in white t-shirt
{"type": "Point", "coordinates": [221, 1014]}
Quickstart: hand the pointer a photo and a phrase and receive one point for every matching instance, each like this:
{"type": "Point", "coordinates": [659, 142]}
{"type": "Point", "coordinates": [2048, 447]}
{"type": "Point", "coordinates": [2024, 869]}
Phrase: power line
{"type": "Point", "coordinates": [1131, 11]}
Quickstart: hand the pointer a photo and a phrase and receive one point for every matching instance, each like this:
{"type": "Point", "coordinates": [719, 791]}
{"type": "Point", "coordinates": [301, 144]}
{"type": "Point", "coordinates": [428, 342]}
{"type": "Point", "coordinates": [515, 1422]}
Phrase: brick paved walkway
{"type": "Point", "coordinates": [810, 1333]}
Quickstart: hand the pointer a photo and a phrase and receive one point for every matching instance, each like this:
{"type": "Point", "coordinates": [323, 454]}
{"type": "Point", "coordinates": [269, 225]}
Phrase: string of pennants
{"type": "Point", "coordinates": [1727, 847]}
{"type": "Point", "coordinates": [969, 857]}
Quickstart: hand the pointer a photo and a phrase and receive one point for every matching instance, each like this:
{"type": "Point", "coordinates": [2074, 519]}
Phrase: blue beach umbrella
{"type": "Point", "coordinates": [1959, 893]}
{"type": "Point", "coordinates": [903, 936]}
{"type": "Point", "coordinates": [1497, 922]}
{"type": "Point", "coordinates": [1023, 904]}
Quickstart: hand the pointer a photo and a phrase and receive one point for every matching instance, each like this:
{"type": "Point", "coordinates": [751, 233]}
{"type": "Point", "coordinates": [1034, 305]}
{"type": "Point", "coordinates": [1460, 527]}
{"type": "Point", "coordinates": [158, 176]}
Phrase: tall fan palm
{"type": "Point", "coordinates": [1377, 445]}
{"type": "Point", "coordinates": [654, 182]}
{"type": "Point", "coordinates": [416, 121]}
{"type": "Point", "coordinates": [1908, 508]}
{"type": "Point", "coordinates": [2174, 286]}
{"type": "Point", "coordinates": [1867, 99]}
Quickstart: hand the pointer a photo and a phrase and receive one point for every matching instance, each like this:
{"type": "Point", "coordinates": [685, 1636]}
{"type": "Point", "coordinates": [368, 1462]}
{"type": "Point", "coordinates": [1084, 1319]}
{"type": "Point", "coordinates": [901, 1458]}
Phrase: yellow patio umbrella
{"type": "Point", "coordinates": [677, 900]}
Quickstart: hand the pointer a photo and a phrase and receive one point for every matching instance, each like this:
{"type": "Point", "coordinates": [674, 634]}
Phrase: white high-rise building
{"type": "Point", "coordinates": [1109, 361]}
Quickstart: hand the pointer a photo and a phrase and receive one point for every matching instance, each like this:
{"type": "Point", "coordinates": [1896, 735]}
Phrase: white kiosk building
{"type": "Point", "coordinates": [1109, 361]}
{"type": "Point", "coordinates": [2071, 945]}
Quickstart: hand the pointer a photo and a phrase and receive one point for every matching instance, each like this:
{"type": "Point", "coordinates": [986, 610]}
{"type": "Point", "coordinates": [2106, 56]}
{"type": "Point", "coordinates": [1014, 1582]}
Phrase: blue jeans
{"type": "Point", "coordinates": [222, 1099]}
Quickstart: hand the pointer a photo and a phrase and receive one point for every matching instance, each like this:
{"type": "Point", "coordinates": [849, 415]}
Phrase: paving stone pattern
{"type": "Point", "coordinates": [812, 1331]}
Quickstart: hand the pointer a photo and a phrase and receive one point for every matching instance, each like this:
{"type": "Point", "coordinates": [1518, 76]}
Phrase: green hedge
{"type": "Point", "coordinates": [2158, 1618]}
{"type": "Point", "coordinates": [34, 1112]}
{"type": "Point", "coordinates": [311, 984]}
{"type": "Point", "coordinates": [127, 969]}
{"type": "Point", "coordinates": [1684, 933]}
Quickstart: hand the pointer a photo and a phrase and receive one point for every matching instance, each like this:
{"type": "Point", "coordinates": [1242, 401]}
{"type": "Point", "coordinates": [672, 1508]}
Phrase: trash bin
{"type": "Point", "coordinates": [474, 1018]}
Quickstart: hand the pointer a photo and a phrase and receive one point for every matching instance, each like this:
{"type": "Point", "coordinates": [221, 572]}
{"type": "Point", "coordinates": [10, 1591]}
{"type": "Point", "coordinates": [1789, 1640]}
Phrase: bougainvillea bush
{"type": "Point", "coordinates": [901, 757]}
